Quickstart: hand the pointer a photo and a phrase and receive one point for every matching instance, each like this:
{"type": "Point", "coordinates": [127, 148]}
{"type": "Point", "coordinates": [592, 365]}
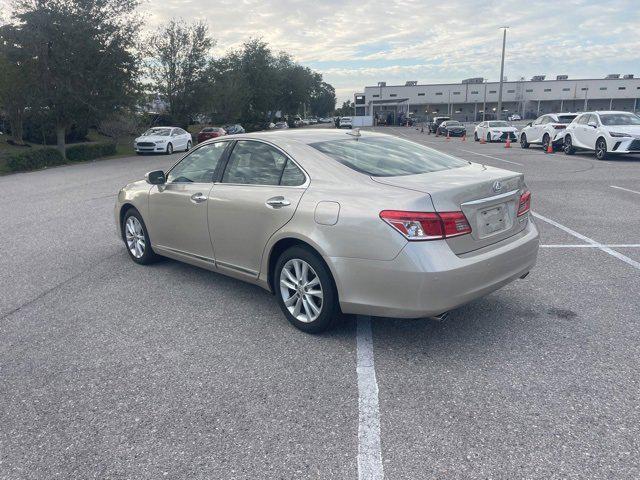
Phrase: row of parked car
{"type": "Point", "coordinates": [603, 132]}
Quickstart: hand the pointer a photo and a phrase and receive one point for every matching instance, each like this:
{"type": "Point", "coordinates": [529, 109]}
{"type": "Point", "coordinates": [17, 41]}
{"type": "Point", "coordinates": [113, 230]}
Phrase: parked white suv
{"type": "Point", "coordinates": [495, 131]}
{"type": "Point", "coordinates": [546, 128]}
{"type": "Point", "coordinates": [604, 133]}
{"type": "Point", "coordinates": [345, 122]}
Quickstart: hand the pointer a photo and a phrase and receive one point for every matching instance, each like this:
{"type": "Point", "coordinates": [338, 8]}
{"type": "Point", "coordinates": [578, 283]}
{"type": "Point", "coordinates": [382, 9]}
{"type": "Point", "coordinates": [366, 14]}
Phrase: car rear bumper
{"type": "Point", "coordinates": [427, 278]}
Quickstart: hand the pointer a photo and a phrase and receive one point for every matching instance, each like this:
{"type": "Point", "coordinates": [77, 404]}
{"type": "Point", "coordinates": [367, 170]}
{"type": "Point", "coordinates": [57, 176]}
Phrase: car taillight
{"type": "Point", "coordinates": [427, 225]}
{"type": "Point", "coordinates": [525, 203]}
{"type": "Point", "coordinates": [559, 127]}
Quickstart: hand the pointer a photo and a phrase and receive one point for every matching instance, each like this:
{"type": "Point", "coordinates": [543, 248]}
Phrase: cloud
{"type": "Point", "coordinates": [360, 42]}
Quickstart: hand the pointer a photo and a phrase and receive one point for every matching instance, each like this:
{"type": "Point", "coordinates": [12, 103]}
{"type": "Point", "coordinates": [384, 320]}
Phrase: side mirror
{"type": "Point", "coordinates": [156, 177]}
{"type": "Point", "coordinates": [592, 124]}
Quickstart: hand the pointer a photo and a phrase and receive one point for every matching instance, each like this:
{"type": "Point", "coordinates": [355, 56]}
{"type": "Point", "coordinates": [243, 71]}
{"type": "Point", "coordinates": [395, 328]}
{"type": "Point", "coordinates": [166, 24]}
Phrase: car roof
{"type": "Point", "coordinates": [305, 136]}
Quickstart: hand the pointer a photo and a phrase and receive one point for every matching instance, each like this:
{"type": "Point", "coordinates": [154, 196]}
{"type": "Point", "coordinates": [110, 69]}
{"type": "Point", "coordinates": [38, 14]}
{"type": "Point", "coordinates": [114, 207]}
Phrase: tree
{"type": "Point", "coordinates": [180, 56]}
{"type": "Point", "coordinates": [119, 125]}
{"type": "Point", "coordinates": [16, 73]}
{"type": "Point", "coordinates": [346, 110]}
{"type": "Point", "coordinates": [84, 65]}
{"type": "Point", "coordinates": [323, 99]}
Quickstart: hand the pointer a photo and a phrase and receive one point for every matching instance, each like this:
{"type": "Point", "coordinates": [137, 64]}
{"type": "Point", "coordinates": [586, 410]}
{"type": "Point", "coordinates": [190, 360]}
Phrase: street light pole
{"type": "Point", "coordinates": [504, 42]}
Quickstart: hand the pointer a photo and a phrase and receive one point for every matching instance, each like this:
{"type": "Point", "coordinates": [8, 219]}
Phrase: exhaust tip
{"type": "Point", "coordinates": [440, 318]}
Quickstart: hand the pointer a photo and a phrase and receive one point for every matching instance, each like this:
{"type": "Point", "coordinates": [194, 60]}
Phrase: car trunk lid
{"type": "Point", "coordinates": [488, 197]}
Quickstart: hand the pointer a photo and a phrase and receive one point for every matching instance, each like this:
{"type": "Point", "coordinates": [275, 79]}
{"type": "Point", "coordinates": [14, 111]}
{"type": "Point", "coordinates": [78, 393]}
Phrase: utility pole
{"type": "Point", "coordinates": [504, 42]}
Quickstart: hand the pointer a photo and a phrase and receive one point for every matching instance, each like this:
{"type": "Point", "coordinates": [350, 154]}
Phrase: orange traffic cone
{"type": "Point", "coordinates": [464, 137]}
{"type": "Point", "coordinates": [482, 140]}
{"type": "Point", "coordinates": [448, 136]}
{"type": "Point", "coordinates": [549, 147]}
{"type": "Point", "coordinates": [508, 144]}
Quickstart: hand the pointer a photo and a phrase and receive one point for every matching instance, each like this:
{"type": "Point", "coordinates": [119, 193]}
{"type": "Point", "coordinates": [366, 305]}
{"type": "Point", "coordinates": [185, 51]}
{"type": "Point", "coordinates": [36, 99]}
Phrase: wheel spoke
{"type": "Point", "coordinates": [298, 272]}
{"type": "Point", "coordinates": [315, 293]}
{"type": "Point", "coordinates": [296, 309]}
{"type": "Point", "coordinates": [289, 275]}
{"type": "Point", "coordinates": [313, 282]}
{"type": "Point", "coordinates": [312, 306]}
{"type": "Point", "coordinates": [287, 284]}
{"type": "Point", "coordinates": [304, 272]}
{"type": "Point", "coordinates": [289, 301]}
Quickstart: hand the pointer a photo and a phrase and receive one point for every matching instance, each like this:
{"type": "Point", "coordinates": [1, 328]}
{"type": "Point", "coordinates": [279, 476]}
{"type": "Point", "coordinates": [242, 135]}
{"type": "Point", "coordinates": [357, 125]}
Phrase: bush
{"type": "Point", "coordinates": [34, 159]}
{"type": "Point", "coordinates": [84, 152]}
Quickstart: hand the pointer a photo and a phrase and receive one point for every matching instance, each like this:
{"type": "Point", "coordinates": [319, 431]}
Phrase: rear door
{"type": "Point", "coordinates": [257, 195]}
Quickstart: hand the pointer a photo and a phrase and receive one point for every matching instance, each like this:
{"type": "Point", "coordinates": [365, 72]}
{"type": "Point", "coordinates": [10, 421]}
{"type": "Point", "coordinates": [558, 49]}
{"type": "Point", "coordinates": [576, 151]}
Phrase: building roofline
{"type": "Point", "coordinates": [497, 82]}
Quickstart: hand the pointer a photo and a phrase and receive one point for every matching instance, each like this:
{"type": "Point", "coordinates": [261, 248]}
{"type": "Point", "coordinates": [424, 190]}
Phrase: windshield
{"type": "Point", "coordinates": [566, 118]}
{"type": "Point", "coordinates": [160, 132]}
{"type": "Point", "coordinates": [387, 157]}
{"type": "Point", "coordinates": [498, 124]}
{"type": "Point", "coordinates": [619, 119]}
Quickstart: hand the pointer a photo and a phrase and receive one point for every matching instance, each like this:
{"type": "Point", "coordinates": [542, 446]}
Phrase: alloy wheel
{"type": "Point", "coordinates": [136, 242]}
{"type": "Point", "coordinates": [601, 149]}
{"type": "Point", "coordinates": [545, 141]}
{"type": "Point", "coordinates": [301, 290]}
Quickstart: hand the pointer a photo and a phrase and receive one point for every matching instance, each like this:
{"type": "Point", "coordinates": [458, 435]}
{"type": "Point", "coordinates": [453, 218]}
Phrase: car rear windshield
{"type": "Point", "coordinates": [453, 123]}
{"type": "Point", "coordinates": [387, 157]}
{"type": "Point", "coordinates": [619, 119]}
{"type": "Point", "coordinates": [566, 118]}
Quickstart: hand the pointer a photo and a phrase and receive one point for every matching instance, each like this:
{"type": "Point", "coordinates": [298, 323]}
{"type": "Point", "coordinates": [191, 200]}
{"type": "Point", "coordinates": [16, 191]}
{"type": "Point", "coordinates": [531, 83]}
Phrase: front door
{"type": "Point", "coordinates": [178, 209]}
{"type": "Point", "coordinates": [257, 195]}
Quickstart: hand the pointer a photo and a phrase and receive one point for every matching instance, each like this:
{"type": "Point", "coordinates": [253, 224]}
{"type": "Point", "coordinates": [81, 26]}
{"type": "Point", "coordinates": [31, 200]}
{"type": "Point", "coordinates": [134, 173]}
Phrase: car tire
{"type": "Point", "coordinates": [601, 148]}
{"type": "Point", "coordinates": [136, 238]}
{"type": "Point", "coordinates": [475, 137]}
{"type": "Point", "coordinates": [489, 138]}
{"type": "Point", "coordinates": [188, 146]}
{"type": "Point", "coordinates": [523, 141]}
{"type": "Point", "coordinates": [545, 142]}
{"type": "Point", "coordinates": [567, 146]}
{"type": "Point", "coordinates": [298, 271]}
{"type": "Point", "coordinates": [169, 149]}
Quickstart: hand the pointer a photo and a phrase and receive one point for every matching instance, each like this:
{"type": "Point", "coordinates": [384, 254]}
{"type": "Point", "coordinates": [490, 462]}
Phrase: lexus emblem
{"type": "Point", "coordinates": [497, 186]}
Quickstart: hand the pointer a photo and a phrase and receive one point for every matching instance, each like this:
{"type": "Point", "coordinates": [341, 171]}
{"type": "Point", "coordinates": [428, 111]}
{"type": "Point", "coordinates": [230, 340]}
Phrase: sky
{"type": "Point", "coordinates": [357, 43]}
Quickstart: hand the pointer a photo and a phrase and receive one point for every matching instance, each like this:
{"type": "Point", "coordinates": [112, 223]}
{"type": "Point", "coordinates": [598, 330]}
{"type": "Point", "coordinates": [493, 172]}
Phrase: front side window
{"type": "Point", "coordinates": [199, 166]}
{"type": "Point", "coordinates": [254, 163]}
{"type": "Point", "coordinates": [610, 119]}
{"type": "Point", "coordinates": [387, 157]}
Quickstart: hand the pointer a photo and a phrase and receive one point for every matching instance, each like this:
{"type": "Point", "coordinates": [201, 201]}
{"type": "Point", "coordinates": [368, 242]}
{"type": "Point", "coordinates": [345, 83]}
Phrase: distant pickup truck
{"type": "Point", "coordinates": [435, 123]}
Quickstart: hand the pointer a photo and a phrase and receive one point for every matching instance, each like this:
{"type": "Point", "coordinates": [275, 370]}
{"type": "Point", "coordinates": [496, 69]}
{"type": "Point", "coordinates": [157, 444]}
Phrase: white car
{"type": "Point", "coordinates": [514, 118]}
{"type": "Point", "coordinates": [604, 133]}
{"type": "Point", "coordinates": [163, 140]}
{"type": "Point", "coordinates": [495, 131]}
{"type": "Point", "coordinates": [546, 128]}
{"type": "Point", "coordinates": [345, 122]}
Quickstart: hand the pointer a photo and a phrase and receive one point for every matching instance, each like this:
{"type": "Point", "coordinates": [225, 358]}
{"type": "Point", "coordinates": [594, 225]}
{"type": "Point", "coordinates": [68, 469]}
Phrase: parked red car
{"type": "Point", "coordinates": [210, 132]}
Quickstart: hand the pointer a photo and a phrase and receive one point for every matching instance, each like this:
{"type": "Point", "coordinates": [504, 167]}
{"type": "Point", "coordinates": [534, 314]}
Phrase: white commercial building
{"type": "Point", "coordinates": [473, 98]}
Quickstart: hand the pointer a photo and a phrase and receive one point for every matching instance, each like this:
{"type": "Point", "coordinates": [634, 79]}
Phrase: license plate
{"type": "Point", "coordinates": [493, 220]}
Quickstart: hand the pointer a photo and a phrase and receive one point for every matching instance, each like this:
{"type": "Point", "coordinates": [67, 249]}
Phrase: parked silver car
{"type": "Point", "coordinates": [336, 222]}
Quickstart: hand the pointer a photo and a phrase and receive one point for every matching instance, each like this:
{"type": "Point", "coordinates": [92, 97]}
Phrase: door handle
{"type": "Point", "coordinates": [277, 202]}
{"type": "Point", "coordinates": [198, 198]}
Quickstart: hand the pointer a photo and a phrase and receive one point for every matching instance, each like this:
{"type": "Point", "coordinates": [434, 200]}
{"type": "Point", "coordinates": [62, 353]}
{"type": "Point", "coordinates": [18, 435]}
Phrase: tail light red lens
{"type": "Point", "coordinates": [427, 225]}
{"type": "Point", "coordinates": [525, 203]}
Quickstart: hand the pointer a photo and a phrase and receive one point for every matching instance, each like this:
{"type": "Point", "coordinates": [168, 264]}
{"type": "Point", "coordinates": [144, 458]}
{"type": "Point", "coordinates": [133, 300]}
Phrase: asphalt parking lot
{"type": "Point", "coordinates": [113, 370]}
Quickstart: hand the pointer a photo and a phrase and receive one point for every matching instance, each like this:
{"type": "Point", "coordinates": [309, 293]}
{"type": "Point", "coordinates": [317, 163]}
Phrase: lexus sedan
{"type": "Point", "coordinates": [451, 128]}
{"type": "Point", "coordinates": [163, 140]}
{"type": "Point", "coordinates": [495, 131]}
{"type": "Point", "coordinates": [335, 222]}
{"type": "Point", "coordinates": [604, 133]}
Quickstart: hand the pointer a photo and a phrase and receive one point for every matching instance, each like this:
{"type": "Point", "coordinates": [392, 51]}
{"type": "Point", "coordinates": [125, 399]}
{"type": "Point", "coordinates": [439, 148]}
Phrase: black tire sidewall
{"type": "Point", "coordinates": [169, 150]}
{"type": "Point", "coordinates": [523, 141]}
{"type": "Point", "coordinates": [149, 256]}
{"type": "Point", "coordinates": [330, 312]}
{"type": "Point", "coordinates": [569, 150]}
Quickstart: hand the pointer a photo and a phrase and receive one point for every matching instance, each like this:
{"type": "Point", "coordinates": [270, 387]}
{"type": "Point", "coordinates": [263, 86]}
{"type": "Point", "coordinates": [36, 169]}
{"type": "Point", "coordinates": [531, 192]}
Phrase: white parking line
{"type": "Point", "coordinates": [590, 241]}
{"type": "Point", "coordinates": [369, 451]}
{"type": "Point", "coordinates": [625, 189]}
{"type": "Point", "coordinates": [586, 245]}
{"type": "Point", "coordinates": [489, 156]}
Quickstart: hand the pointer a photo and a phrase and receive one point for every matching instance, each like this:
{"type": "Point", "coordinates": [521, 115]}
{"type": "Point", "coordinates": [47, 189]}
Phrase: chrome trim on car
{"type": "Point", "coordinates": [491, 199]}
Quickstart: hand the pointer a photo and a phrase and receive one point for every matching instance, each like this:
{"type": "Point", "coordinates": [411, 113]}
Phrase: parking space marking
{"type": "Point", "coordinates": [588, 240]}
{"type": "Point", "coordinates": [586, 245]}
{"type": "Point", "coordinates": [625, 189]}
{"type": "Point", "coordinates": [489, 156]}
{"type": "Point", "coordinates": [369, 450]}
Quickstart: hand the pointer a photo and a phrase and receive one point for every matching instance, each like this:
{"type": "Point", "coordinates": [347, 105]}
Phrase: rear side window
{"type": "Point", "coordinates": [256, 163]}
{"type": "Point", "coordinates": [387, 156]}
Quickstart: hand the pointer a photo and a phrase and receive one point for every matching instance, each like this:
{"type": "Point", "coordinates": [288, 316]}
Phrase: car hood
{"type": "Point", "coordinates": [633, 130]}
{"type": "Point", "coordinates": [151, 138]}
